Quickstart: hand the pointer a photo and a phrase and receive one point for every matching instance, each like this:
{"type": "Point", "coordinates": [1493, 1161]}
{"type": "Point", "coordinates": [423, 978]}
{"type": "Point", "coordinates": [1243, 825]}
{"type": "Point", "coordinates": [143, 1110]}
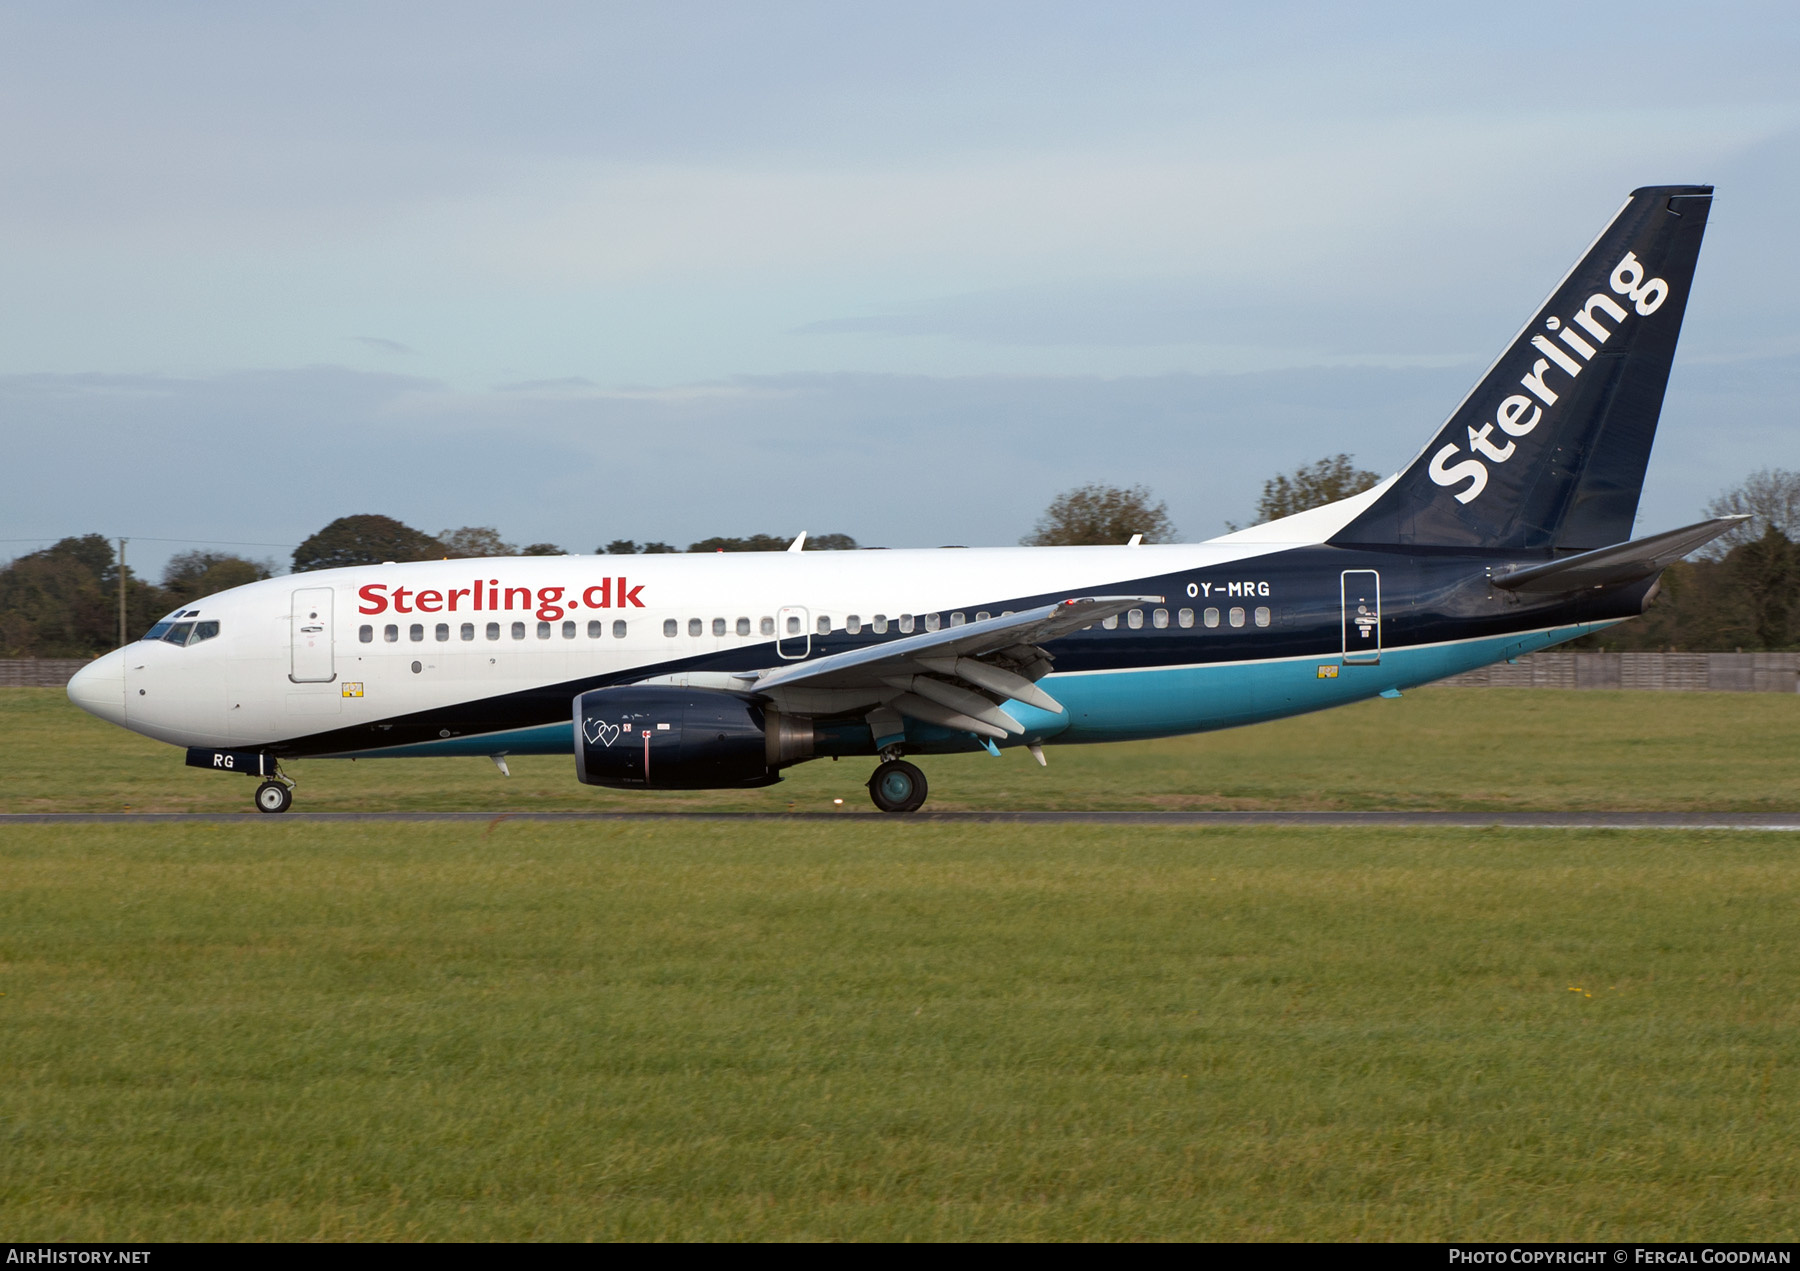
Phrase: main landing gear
{"type": "Point", "coordinates": [897, 786]}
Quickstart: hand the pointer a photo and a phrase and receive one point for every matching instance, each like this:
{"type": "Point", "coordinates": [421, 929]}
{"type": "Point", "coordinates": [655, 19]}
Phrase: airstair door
{"type": "Point", "coordinates": [310, 628]}
{"type": "Point", "coordinates": [793, 632]}
{"type": "Point", "coordinates": [1362, 616]}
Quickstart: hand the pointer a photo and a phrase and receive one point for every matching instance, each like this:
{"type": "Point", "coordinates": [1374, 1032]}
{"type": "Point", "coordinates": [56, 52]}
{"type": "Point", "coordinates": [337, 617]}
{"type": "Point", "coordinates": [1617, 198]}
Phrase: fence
{"type": "Point", "coordinates": [1667, 672]}
{"type": "Point", "coordinates": [38, 672]}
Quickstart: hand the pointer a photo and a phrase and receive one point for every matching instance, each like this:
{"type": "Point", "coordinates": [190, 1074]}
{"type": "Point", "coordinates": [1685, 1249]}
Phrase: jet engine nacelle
{"type": "Point", "coordinates": [662, 738]}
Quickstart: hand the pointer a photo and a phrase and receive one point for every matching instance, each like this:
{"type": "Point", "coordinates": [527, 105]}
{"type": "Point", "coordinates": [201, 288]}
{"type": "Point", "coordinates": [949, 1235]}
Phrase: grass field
{"type": "Point", "coordinates": [1455, 749]}
{"type": "Point", "coordinates": [893, 1030]}
{"type": "Point", "coordinates": [651, 1030]}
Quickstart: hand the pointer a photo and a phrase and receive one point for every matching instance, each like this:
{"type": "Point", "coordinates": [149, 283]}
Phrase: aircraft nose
{"type": "Point", "coordinates": [99, 687]}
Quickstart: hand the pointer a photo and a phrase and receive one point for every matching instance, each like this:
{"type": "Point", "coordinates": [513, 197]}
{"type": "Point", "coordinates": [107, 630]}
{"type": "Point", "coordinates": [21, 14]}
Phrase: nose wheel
{"type": "Point", "coordinates": [273, 796]}
{"type": "Point", "coordinates": [897, 786]}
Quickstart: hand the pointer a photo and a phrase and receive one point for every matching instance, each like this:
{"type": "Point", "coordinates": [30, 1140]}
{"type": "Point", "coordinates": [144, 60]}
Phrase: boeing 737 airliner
{"type": "Point", "coordinates": [1508, 533]}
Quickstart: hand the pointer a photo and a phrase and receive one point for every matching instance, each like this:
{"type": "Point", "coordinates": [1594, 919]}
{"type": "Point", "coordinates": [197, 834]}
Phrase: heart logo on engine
{"type": "Point", "coordinates": [598, 730]}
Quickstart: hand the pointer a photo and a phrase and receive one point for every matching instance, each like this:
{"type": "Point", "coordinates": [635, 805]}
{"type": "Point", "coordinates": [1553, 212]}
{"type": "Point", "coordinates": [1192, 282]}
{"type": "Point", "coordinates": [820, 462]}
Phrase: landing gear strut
{"type": "Point", "coordinates": [897, 786]}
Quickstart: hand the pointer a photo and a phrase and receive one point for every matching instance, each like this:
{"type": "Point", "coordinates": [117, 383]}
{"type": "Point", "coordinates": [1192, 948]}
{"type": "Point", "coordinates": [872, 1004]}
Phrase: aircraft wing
{"type": "Point", "coordinates": [958, 676]}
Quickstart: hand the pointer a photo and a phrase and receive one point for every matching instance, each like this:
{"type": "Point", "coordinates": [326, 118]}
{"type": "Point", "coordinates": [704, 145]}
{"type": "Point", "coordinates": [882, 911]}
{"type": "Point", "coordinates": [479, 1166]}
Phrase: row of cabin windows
{"type": "Point", "coordinates": [853, 625]}
{"type": "Point", "coordinates": [1159, 618]}
{"type": "Point", "coordinates": [697, 626]}
{"type": "Point", "coordinates": [906, 623]}
{"type": "Point", "coordinates": [441, 631]}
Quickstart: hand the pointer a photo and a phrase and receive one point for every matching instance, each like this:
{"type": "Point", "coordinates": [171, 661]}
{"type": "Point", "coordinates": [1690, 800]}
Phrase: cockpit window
{"type": "Point", "coordinates": [180, 633]}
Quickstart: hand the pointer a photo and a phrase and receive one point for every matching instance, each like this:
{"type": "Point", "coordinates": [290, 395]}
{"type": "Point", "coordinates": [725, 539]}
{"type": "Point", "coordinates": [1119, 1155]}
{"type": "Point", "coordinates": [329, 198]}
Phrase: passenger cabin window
{"type": "Point", "coordinates": [670, 626]}
{"type": "Point", "coordinates": [1262, 615]}
{"type": "Point", "coordinates": [493, 631]}
{"type": "Point", "coordinates": [793, 624]}
{"type": "Point", "coordinates": [619, 630]}
{"type": "Point", "coordinates": [594, 628]}
{"type": "Point", "coordinates": [1112, 623]}
{"type": "Point", "coordinates": [1185, 617]}
{"type": "Point", "coordinates": [365, 634]}
{"type": "Point", "coordinates": [390, 633]}
{"type": "Point", "coordinates": [518, 631]}
{"type": "Point", "coordinates": [852, 625]}
{"type": "Point", "coordinates": [1237, 616]}
{"type": "Point", "coordinates": [879, 623]}
{"type": "Point", "coordinates": [983, 615]}
{"type": "Point", "coordinates": [906, 624]}
{"type": "Point", "coordinates": [569, 631]}
{"type": "Point", "coordinates": [766, 626]}
{"type": "Point", "coordinates": [824, 624]}
{"type": "Point", "coordinates": [743, 626]}
{"type": "Point", "coordinates": [932, 622]}
{"type": "Point", "coordinates": [543, 631]}
{"type": "Point", "coordinates": [718, 626]}
{"type": "Point", "coordinates": [1135, 619]}
{"type": "Point", "coordinates": [694, 626]}
{"type": "Point", "coordinates": [416, 632]}
{"type": "Point", "coordinates": [443, 632]}
{"type": "Point", "coordinates": [1160, 619]}
{"type": "Point", "coordinates": [468, 631]}
{"type": "Point", "coordinates": [1212, 617]}
{"type": "Point", "coordinates": [957, 620]}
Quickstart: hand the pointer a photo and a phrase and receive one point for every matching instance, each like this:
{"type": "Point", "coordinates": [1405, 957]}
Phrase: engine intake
{"type": "Point", "coordinates": [663, 738]}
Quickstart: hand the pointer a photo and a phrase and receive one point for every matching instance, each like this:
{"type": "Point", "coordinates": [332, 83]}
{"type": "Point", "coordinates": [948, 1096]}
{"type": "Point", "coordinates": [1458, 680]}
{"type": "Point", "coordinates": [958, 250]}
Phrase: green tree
{"type": "Point", "coordinates": [661, 549]}
{"type": "Point", "coordinates": [752, 543]}
{"type": "Point", "coordinates": [1770, 497]}
{"type": "Point", "coordinates": [618, 547]}
{"type": "Point", "coordinates": [473, 541]}
{"type": "Point", "coordinates": [1100, 514]}
{"type": "Point", "coordinates": [364, 540]}
{"type": "Point", "coordinates": [1765, 575]}
{"type": "Point", "coordinates": [61, 602]}
{"type": "Point", "coordinates": [1313, 485]}
{"type": "Point", "coordinates": [542, 549]}
{"type": "Point", "coordinates": [830, 543]}
{"type": "Point", "coordinates": [192, 575]}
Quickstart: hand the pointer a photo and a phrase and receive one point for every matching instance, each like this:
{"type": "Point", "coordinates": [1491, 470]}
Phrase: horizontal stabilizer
{"type": "Point", "coordinates": [1620, 563]}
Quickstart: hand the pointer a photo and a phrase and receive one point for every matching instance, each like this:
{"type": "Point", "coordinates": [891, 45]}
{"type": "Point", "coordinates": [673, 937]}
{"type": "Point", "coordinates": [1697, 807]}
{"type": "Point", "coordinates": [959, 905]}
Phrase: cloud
{"type": "Point", "coordinates": [891, 459]}
{"type": "Point", "coordinates": [381, 345]}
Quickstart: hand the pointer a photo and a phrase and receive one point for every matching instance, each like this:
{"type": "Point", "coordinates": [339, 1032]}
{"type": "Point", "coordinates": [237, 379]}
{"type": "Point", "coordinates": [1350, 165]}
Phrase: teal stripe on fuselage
{"type": "Point", "coordinates": [1127, 705]}
{"type": "Point", "coordinates": [1121, 706]}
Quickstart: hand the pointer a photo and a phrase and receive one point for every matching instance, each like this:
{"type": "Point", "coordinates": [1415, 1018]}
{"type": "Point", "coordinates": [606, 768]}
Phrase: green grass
{"type": "Point", "coordinates": [890, 1030]}
{"type": "Point", "coordinates": [1493, 749]}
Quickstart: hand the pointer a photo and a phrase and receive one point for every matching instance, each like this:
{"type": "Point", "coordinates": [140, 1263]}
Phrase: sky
{"type": "Point", "coordinates": [585, 272]}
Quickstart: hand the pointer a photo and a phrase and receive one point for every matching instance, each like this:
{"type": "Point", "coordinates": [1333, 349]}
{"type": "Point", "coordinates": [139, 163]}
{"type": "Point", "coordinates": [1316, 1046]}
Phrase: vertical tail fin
{"type": "Point", "coordinates": [1549, 449]}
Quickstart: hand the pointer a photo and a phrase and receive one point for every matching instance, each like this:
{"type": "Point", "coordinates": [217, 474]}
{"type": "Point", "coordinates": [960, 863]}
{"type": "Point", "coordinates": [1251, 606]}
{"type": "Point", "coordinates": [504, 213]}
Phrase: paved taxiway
{"type": "Point", "coordinates": [1509, 820]}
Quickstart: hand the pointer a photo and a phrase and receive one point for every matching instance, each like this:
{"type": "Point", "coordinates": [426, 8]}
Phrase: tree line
{"type": "Point", "coordinates": [1741, 592]}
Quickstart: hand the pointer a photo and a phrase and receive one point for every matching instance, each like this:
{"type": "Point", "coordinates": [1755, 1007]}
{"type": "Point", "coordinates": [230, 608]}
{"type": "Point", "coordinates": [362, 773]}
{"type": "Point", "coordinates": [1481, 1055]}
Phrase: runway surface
{"type": "Point", "coordinates": [1513, 820]}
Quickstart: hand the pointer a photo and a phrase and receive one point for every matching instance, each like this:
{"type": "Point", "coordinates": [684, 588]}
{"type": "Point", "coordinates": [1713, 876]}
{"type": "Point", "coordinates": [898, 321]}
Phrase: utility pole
{"type": "Point", "coordinates": [122, 636]}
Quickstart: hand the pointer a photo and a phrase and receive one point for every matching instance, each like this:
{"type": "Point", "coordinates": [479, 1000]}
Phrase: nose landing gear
{"type": "Point", "coordinates": [272, 796]}
{"type": "Point", "coordinates": [897, 786]}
